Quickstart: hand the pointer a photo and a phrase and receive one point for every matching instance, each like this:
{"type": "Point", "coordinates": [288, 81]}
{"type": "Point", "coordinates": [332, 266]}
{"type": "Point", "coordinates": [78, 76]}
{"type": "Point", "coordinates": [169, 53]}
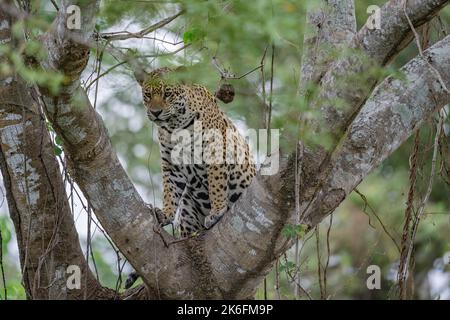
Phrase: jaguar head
{"type": "Point", "coordinates": [166, 103]}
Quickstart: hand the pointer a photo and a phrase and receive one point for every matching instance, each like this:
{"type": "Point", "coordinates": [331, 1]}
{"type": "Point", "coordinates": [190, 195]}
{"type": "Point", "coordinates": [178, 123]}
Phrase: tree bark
{"type": "Point", "coordinates": [46, 235]}
{"type": "Point", "coordinates": [231, 259]}
{"type": "Point", "coordinates": [369, 49]}
{"type": "Point", "coordinates": [47, 238]}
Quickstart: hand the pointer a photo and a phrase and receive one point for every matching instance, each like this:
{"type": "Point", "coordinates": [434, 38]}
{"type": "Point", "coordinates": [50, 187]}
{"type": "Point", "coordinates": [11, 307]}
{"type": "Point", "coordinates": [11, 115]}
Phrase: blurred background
{"type": "Point", "coordinates": [365, 230]}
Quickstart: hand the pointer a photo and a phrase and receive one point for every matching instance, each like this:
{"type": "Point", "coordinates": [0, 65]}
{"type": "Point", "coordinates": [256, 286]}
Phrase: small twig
{"type": "Point", "coordinates": [2, 268]}
{"type": "Point", "coordinates": [99, 67]}
{"type": "Point", "coordinates": [367, 204]}
{"type": "Point", "coordinates": [55, 5]}
{"type": "Point", "coordinates": [424, 201]}
{"type": "Point", "coordinates": [328, 255]}
{"type": "Point", "coordinates": [263, 87]}
{"type": "Point", "coordinates": [265, 288]}
{"type": "Point", "coordinates": [119, 277]}
{"type": "Point", "coordinates": [269, 119]}
{"type": "Point", "coordinates": [296, 282]}
{"type": "Point", "coordinates": [88, 247]}
{"type": "Point", "coordinates": [319, 265]}
{"type": "Point", "coordinates": [124, 35]}
{"type": "Point", "coordinates": [157, 230]}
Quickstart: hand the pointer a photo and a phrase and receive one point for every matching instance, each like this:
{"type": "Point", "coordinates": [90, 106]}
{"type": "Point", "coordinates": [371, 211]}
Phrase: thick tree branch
{"type": "Point", "coordinates": [47, 238]}
{"type": "Point", "coordinates": [228, 261]}
{"type": "Point", "coordinates": [393, 112]}
{"type": "Point", "coordinates": [94, 165]}
{"type": "Point", "coordinates": [342, 90]}
{"type": "Point", "coordinates": [330, 25]}
{"type": "Point", "coordinates": [249, 239]}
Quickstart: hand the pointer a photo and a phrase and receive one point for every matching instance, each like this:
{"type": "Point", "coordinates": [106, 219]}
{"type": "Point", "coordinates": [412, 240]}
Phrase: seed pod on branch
{"type": "Point", "coordinates": [225, 93]}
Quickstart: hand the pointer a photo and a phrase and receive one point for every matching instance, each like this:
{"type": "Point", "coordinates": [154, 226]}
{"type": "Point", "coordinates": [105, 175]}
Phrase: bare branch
{"type": "Point", "coordinates": [393, 112]}
{"type": "Point", "coordinates": [403, 272]}
{"type": "Point", "coordinates": [378, 47]}
{"type": "Point", "coordinates": [230, 260]}
{"type": "Point", "coordinates": [47, 238]}
{"type": "Point", "coordinates": [124, 35]}
{"type": "Point", "coordinates": [93, 164]}
{"type": "Point", "coordinates": [333, 25]}
{"type": "Point", "coordinates": [132, 61]}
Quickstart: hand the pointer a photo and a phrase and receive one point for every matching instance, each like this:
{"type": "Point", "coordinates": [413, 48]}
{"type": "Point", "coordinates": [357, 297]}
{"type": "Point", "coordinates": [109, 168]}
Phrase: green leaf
{"type": "Point", "coordinates": [188, 37]}
{"type": "Point", "coordinates": [192, 35]}
{"type": "Point", "coordinates": [57, 150]}
{"type": "Point", "coordinates": [58, 140]}
{"type": "Point", "coordinates": [289, 267]}
{"type": "Point", "coordinates": [288, 231]}
{"type": "Point", "coordinates": [300, 230]}
{"type": "Point", "coordinates": [294, 231]}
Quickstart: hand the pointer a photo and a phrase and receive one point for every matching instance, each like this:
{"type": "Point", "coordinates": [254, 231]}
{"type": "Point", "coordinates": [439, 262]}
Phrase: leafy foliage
{"type": "Point", "coordinates": [240, 35]}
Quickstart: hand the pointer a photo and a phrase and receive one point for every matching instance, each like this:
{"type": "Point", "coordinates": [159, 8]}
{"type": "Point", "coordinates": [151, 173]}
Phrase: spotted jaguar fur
{"type": "Point", "coordinates": [195, 194]}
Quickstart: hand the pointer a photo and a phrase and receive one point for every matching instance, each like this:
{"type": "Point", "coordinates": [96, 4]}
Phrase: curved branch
{"type": "Point", "coordinates": [393, 112]}
{"type": "Point", "coordinates": [94, 165]}
{"type": "Point", "coordinates": [227, 261]}
{"type": "Point", "coordinates": [372, 48]}
{"type": "Point", "coordinates": [124, 35]}
{"type": "Point", "coordinates": [47, 238]}
{"type": "Point", "coordinates": [249, 239]}
{"type": "Point", "coordinates": [46, 235]}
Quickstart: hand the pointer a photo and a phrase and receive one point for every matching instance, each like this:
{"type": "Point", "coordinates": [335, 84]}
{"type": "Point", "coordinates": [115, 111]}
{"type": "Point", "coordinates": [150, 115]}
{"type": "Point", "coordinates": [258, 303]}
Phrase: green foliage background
{"type": "Point", "coordinates": [238, 33]}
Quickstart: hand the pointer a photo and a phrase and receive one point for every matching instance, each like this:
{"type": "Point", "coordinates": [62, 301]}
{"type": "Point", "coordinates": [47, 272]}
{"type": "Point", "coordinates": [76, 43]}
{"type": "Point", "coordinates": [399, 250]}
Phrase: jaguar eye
{"type": "Point", "coordinates": [167, 93]}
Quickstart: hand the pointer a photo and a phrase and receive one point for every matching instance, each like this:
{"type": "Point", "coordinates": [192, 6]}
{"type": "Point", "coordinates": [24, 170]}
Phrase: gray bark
{"type": "Point", "coordinates": [392, 113]}
{"type": "Point", "coordinates": [230, 260]}
{"type": "Point", "coordinates": [374, 48]}
{"type": "Point", "coordinates": [329, 26]}
{"type": "Point", "coordinates": [47, 238]}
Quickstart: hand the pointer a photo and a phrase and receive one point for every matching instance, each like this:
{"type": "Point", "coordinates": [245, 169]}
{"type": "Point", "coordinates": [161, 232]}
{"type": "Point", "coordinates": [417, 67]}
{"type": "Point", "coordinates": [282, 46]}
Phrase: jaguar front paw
{"type": "Point", "coordinates": [213, 218]}
{"type": "Point", "coordinates": [163, 219]}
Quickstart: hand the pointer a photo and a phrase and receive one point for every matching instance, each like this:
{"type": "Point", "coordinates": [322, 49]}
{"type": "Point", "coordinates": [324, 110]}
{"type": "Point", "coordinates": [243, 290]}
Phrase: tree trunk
{"type": "Point", "coordinates": [231, 259]}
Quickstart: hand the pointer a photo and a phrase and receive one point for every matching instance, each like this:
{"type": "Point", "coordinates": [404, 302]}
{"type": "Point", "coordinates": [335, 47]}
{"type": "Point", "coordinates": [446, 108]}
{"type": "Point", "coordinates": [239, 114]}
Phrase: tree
{"type": "Point", "coordinates": [229, 261]}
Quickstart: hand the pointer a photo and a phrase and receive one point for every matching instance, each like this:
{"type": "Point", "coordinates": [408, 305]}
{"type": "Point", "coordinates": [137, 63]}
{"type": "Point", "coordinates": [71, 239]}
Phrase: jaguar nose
{"type": "Point", "coordinates": [156, 113]}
